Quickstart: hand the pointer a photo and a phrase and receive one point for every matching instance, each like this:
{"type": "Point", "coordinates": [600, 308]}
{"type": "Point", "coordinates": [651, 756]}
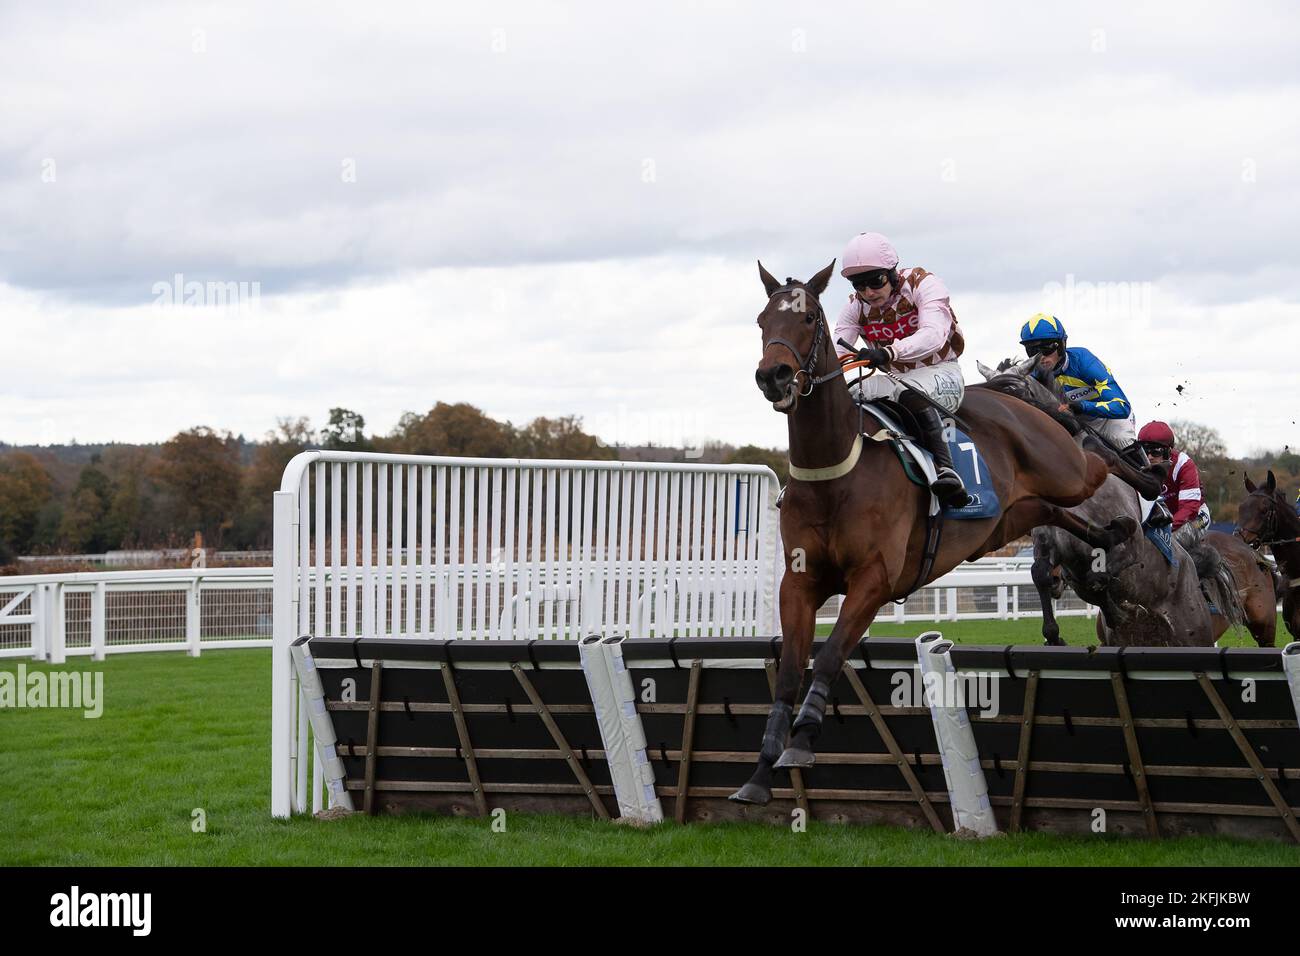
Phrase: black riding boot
{"type": "Point", "coordinates": [947, 485]}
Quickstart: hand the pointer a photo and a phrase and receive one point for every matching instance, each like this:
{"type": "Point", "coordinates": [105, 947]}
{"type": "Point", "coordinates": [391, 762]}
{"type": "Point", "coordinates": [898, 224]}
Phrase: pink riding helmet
{"type": "Point", "coordinates": [867, 251]}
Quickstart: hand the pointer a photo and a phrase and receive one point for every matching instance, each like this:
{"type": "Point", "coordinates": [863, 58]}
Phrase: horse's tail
{"type": "Point", "coordinates": [1222, 589]}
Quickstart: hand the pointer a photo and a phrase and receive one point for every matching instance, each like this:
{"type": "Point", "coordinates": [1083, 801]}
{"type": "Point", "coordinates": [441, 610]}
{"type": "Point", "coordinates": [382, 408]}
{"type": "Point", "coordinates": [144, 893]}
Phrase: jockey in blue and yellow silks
{"type": "Point", "coordinates": [1087, 384]}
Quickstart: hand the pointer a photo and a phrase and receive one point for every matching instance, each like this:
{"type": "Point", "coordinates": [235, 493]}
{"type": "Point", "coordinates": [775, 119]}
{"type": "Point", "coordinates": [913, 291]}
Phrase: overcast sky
{"type": "Point", "coordinates": [555, 209]}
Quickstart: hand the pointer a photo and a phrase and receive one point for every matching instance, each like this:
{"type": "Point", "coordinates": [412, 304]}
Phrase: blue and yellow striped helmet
{"type": "Point", "coordinates": [1042, 327]}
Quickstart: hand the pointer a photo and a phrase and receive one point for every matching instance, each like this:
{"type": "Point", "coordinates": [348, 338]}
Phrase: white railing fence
{"type": "Point", "coordinates": [54, 616]}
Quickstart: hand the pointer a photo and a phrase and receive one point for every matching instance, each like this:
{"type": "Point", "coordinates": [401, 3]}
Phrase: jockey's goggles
{"type": "Point", "coordinates": [1042, 348]}
{"type": "Point", "coordinates": [1156, 450]}
{"type": "Point", "coordinates": [875, 279]}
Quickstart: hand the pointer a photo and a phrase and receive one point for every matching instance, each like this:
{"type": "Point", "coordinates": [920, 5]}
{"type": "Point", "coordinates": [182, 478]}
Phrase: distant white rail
{"type": "Point", "coordinates": [54, 616]}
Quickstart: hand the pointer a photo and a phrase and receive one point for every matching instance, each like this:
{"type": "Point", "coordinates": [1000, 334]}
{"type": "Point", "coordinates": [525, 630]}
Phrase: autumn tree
{"type": "Point", "coordinates": [346, 430]}
{"type": "Point", "coordinates": [1199, 441]}
{"type": "Point", "coordinates": [459, 430]}
{"type": "Point", "coordinates": [559, 438]}
{"type": "Point", "coordinates": [262, 479]}
{"type": "Point", "coordinates": [25, 488]}
{"type": "Point", "coordinates": [83, 526]}
{"type": "Point", "coordinates": [200, 470]}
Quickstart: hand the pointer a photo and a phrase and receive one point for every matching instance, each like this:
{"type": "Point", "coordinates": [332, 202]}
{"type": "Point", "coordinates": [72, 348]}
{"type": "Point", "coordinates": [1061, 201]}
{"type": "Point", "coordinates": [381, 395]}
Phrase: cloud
{"type": "Point", "coordinates": [545, 208]}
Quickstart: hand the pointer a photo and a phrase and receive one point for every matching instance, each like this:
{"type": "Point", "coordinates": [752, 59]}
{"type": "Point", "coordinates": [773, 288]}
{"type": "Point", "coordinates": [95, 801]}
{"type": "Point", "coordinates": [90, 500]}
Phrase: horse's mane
{"type": "Point", "coordinates": [1020, 386]}
{"type": "Point", "coordinates": [1008, 383]}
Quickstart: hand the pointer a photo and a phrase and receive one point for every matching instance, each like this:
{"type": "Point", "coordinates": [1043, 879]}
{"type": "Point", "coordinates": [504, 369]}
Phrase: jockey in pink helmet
{"type": "Point", "coordinates": [912, 337]}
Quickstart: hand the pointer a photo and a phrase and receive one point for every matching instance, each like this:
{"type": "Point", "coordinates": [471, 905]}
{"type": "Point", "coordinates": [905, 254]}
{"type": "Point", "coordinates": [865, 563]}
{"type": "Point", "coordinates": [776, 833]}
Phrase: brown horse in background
{"type": "Point", "coordinates": [1266, 519]}
{"type": "Point", "coordinates": [1256, 589]}
{"type": "Point", "coordinates": [862, 534]}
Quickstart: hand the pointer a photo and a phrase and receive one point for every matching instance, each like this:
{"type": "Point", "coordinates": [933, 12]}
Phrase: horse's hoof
{"type": "Point", "coordinates": [753, 794]}
{"type": "Point", "coordinates": [1125, 526]}
{"type": "Point", "coordinates": [794, 757]}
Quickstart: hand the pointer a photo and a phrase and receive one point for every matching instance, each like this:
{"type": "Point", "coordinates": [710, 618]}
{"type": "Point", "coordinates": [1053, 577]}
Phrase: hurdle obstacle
{"type": "Point", "coordinates": [1147, 742]}
{"type": "Point", "coordinates": [411, 546]}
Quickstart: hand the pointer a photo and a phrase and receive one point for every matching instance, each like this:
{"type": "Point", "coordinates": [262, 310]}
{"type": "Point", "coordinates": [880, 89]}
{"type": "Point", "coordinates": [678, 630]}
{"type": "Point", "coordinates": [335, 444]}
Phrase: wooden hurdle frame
{"type": "Point", "coordinates": [1151, 743]}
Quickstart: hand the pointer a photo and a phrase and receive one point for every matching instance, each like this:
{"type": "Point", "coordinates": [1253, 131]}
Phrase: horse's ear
{"type": "Point", "coordinates": [1026, 367]}
{"type": "Point", "coordinates": [1272, 483]}
{"type": "Point", "coordinates": [817, 284]}
{"type": "Point", "coordinates": [1250, 485]}
{"type": "Point", "coordinates": [769, 280]}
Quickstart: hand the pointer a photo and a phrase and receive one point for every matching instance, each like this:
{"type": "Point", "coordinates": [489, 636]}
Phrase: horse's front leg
{"type": "Point", "coordinates": [798, 622]}
{"type": "Point", "coordinates": [867, 591]}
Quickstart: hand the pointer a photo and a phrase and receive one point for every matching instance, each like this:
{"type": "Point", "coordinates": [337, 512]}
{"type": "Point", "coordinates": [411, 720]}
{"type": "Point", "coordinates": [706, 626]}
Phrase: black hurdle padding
{"type": "Point", "coordinates": [1197, 777]}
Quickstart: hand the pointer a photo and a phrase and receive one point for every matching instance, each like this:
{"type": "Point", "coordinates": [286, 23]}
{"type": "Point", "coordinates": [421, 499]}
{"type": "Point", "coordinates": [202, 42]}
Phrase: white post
{"type": "Point", "coordinates": [284, 617]}
{"type": "Point", "coordinates": [193, 617]}
{"type": "Point", "coordinates": [773, 557]}
{"type": "Point", "coordinates": [98, 621]}
{"type": "Point", "coordinates": [968, 791]}
{"type": "Point", "coordinates": [38, 628]}
{"type": "Point", "coordinates": [1291, 665]}
{"type": "Point", "coordinates": [58, 643]}
{"type": "Point", "coordinates": [589, 608]}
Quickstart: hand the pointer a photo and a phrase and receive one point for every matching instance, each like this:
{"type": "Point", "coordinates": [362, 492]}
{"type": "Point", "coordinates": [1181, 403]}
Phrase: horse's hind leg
{"type": "Point", "coordinates": [866, 592]}
{"type": "Point", "coordinates": [1036, 512]}
{"type": "Point", "coordinates": [798, 622]}
{"type": "Point", "coordinates": [1145, 481]}
{"type": "Point", "coordinates": [1041, 571]}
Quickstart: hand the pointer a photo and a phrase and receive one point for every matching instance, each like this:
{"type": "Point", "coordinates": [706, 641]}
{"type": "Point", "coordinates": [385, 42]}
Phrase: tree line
{"type": "Point", "coordinates": [92, 499]}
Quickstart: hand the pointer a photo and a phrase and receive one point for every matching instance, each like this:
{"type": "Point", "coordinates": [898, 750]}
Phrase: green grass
{"type": "Point", "coordinates": [179, 734]}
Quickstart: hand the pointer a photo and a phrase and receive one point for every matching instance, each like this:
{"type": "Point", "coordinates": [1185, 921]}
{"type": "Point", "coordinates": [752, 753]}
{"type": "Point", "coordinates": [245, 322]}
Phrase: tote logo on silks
{"type": "Point", "coordinates": [969, 463]}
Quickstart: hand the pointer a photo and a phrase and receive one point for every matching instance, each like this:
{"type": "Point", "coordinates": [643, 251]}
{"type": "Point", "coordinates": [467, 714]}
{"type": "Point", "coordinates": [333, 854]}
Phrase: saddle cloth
{"type": "Point", "coordinates": [918, 464]}
{"type": "Point", "coordinates": [1163, 539]}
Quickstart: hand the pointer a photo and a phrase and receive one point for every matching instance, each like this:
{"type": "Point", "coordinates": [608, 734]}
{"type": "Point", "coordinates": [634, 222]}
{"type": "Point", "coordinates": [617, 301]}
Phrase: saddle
{"type": "Point", "coordinates": [898, 426]}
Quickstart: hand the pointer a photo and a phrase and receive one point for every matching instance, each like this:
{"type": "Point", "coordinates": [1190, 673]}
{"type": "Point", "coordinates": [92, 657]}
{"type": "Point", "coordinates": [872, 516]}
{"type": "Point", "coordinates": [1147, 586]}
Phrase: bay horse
{"type": "Point", "coordinates": [1257, 588]}
{"type": "Point", "coordinates": [1266, 519]}
{"type": "Point", "coordinates": [1145, 600]}
{"type": "Point", "coordinates": [859, 527]}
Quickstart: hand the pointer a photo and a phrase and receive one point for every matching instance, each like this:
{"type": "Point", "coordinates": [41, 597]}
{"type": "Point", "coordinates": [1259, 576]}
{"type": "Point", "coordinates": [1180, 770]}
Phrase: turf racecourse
{"type": "Point", "coordinates": [180, 737]}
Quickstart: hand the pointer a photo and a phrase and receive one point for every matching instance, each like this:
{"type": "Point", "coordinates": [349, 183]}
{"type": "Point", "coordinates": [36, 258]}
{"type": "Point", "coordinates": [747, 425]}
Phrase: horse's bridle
{"type": "Point", "coordinates": [806, 365]}
{"type": "Point", "coordinates": [1267, 527]}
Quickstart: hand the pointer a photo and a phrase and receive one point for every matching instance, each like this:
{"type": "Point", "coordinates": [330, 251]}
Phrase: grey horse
{"type": "Point", "coordinates": [1144, 601]}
